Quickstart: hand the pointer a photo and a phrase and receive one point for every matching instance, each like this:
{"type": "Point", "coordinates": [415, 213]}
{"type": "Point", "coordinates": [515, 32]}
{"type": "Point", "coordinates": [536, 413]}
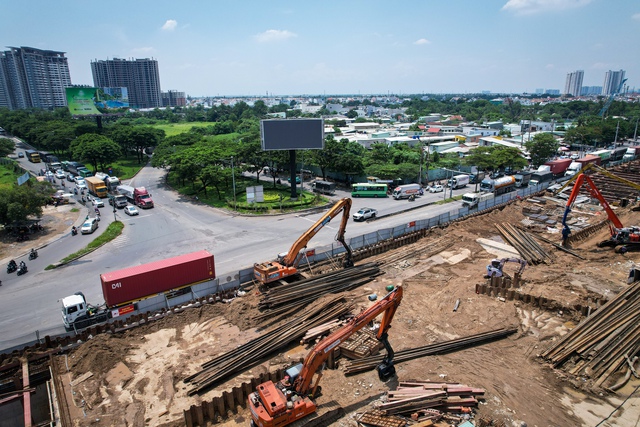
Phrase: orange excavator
{"type": "Point", "coordinates": [282, 403]}
{"type": "Point", "coordinates": [622, 238]}
{"type": "Point", "coordinates": [287, 264]}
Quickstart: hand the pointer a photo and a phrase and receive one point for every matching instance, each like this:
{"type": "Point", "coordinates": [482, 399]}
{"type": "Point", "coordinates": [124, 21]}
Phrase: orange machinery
{"type": "Point", "coordinates": [287, 265]}
{"type": "Point", "coordinates": [280, 404]}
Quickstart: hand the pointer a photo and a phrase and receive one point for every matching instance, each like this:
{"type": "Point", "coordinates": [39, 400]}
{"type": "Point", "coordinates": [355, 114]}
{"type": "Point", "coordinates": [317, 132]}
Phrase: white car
{"type": "Point", "coordinates": [365, 213]}
{"type": "Point", "coordinates": [60, 174]}
{"type": "Point", "coordinates": [97, 202]}
{"type": "Point", "coordinates": [89, 226]}
{"type": "Point", "coordinates": [131, 210]}
{"type": "Point", "coordinates": [81, 185]}
{"type": "Point", "coordinates": [575, 156]}
{"type": "Point", "coordinates": [436, 188]}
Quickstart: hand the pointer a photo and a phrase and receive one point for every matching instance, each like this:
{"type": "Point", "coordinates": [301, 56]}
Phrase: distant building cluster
{"type": "Point", "coordinates": [612, 84]}
{"type": "Point", "coordinates": [36, 78]}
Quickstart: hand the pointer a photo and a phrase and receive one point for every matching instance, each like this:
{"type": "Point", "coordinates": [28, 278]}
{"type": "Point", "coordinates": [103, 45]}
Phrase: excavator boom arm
{"type": "Point", "coordinates": [344, 206]}
{"type": "Point", "coordinates": [316, 358]}
{"type": "Point", "coordinates": [584, 179]}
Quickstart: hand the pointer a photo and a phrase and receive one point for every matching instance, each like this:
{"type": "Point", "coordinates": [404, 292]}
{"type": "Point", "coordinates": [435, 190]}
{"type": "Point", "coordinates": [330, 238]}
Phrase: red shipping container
{"type": "Point", "coordinates": [589, 159]}
{"type": "Point", "coordinates": [142, 281]}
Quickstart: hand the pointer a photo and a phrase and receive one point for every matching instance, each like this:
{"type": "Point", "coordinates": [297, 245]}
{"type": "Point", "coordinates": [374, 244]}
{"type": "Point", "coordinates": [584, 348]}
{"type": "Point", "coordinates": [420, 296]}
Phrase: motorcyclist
{"type": "Point", "coordinates": [74, 230]}
{"type": "Point", "coordinates": [33, 254]}
{"type": "Point", "coordinates": [12, 263]}
{"type": "Point", "coordinates": [23, 265]}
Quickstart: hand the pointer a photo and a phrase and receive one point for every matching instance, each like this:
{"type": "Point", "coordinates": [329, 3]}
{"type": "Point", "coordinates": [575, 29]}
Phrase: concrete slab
{"type": "Point", "coordinates": [500, 250]}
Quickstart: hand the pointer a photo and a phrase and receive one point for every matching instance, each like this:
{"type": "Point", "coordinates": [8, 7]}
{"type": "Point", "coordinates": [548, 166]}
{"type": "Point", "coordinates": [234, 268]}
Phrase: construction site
{"type": "Point", "coordinates": [496, 322]}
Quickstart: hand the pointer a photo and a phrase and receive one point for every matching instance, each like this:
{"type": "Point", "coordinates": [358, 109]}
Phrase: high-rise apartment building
{"type": "Point", "coordinates": [33, 78]}
{"type": "Point", "coordinates": [140, 76]}
{"type": "Point", "coordinates": [612, 81]}
{"type": "Point", "coordinates": [573, 85]}
{"type": "Point", "coordinates": [173, 98]}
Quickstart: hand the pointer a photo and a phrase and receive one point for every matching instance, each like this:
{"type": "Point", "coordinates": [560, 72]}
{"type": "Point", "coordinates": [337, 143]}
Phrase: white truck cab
{"type": "Point", "coordinates": [73, 307]}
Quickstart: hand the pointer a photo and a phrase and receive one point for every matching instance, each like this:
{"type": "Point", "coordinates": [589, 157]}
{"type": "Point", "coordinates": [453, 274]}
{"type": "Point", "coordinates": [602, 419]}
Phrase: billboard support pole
{"type": "Point", "coordinates": [99, 122]}
{"type": "Point", "coordinates": [292, 174]}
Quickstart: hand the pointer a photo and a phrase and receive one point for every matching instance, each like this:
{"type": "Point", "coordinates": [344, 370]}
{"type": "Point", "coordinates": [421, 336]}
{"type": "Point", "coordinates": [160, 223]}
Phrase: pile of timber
{"type": "Point", "coordinates": [282, 301]}
{"type": "Point", "coordinates": [604, 342]}
{"type": "Point", "coordinates": [524, 243]}
{"type": "Point", "coordinates": [369, 363]}
{"type": "Point", "coordinates": [361, 344]}
{"type": "Point", "coordinates": [246, 356]}
{"type": "Point", "coordinates": [413, 397]}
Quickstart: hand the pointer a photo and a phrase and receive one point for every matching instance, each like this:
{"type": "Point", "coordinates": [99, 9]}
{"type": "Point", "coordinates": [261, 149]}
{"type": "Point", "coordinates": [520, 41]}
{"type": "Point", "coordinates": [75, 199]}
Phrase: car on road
{"type": "Point", "coordinates": [78, 179]}
{"type": "Point", "coordinates": [436, 188]}
{"type": "Point", "coordinates": [59, 174]}
{"type": "Point", "coordinates": [365, 213]}
{"type": "Point", "coordinates": [89, 226]}
{"type": "Point", "coordinates": [71, 177]}
{"type": "Point", "coordinates": [131, 210]}
{"type": "Point", "coordinates": [97, 202]}
{"type": "Point", "coordinates": [21, 154]}
{"type": "Point", "coordinates": [575, 156]}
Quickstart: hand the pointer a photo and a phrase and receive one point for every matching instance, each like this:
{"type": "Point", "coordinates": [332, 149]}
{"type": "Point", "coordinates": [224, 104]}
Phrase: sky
{"type": "Point", "coordinates": [309, 47]}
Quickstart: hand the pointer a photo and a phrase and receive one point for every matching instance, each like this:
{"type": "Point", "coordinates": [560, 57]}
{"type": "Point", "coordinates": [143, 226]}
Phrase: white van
{"type": "Point", "coordinates": [459, 181]}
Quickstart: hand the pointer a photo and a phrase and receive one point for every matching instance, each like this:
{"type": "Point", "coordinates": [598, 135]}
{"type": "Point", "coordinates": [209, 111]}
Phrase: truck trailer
{"type": "Point", "coordinates": [122, 289]}
{"type": "Point", "coordinates": [324, 187]}
{"type": "Point", "coordinates": [459, 181]}
{"type": "Point", "coordinates": [96, 186]}
{"type": "Point", "coordinates": [558, 167]}
{"type": "Point", "coordinates": [632, 153]}
{"type": "Point", "coordinates": [138, 196]}
{"type": "Point", "coordinates": [540, 177]}
{"type": "Point", "coordinates": [498, 186]}
{"type": "Point", "coordinates": [406, 191]}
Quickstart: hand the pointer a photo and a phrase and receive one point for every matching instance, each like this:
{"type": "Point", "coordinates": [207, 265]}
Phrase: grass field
{"type": "Point", "coordinates": [127, 168]}
{"type": "Point", "coordinates": [172, 129]}
{"type": "Point", "coordinates": [8, 178]}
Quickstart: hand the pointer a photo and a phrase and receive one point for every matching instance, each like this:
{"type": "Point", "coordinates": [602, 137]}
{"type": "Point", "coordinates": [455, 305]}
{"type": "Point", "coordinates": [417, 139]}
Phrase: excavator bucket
{"type": "Point", "coordinates": [386, 371]}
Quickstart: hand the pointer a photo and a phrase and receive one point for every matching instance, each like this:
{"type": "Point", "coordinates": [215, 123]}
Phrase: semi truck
{"type": "Point", "coordinates": [579, 164]}
{"type": "Point", "coordinates": [74, 167]}
{"type": "Point", "coordinates": [472, 200]}
{"type": "Point", "coordinates": [558, 167]}
{"type": "Point", "coordinates": [459, 181]}
{"type": "Point", "coordinates": [632, 153]}
{"type": "Point", "coordinates": [498, 186]}
{"type": "Point", "coordinates": [406, 191]}
{"type": "Point", "coordinates": [111, 182]}
{"type": "Point", "coordinates": [122, 289]}
{"type": "Point", "coordinates": [96, 186]}
{"type": "Point", "coordinates": [522, 179]}
{"type": "Point", "coordinates": [540, 177]}
{"type": "Point", "coordinates": [324, 187]}
{"type": "Point", "coordinates": [138, 196]}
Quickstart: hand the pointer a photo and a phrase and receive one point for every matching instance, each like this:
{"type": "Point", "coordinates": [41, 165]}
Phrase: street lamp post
{"type": "Point", "coordinates": [233, 180]}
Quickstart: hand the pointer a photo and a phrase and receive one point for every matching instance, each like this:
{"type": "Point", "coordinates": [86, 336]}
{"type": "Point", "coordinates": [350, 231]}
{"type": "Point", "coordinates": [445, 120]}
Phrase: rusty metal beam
{"type": "Point", "coordinates": [26, 394]}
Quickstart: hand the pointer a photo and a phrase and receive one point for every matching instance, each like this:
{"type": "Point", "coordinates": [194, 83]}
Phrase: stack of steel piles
{"type": "Point", "coordinates": [528, 248]}
{"type": "Point", "coordinates": [604, 342]}
{"type": "Point", "coordinates": [250, 354]}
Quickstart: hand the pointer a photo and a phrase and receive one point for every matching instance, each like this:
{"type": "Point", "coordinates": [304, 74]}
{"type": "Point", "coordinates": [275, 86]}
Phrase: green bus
{"type": "Point", "coordinates": [369, 190]}
{"type": "Point", "coordinates": [32, 155]}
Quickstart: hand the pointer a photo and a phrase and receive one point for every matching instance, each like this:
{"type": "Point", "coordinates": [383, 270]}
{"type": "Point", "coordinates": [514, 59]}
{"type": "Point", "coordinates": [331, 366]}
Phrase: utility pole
{"type": "Point", "coordinates": [635, 132]}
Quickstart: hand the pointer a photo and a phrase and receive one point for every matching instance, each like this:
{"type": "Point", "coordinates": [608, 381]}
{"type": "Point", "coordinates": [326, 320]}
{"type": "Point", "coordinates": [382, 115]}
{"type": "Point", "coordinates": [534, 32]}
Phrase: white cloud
{"type": "Point", "coordinates": [274, 36]}
{"type": "Point", "coordinates": [636, 16]}
{"type": "Point", "coordinates": [422, 41]}
{"type": "Point", "coordinates": [170, 25]}
{"type": "Point", "coordinates": [530, 7]}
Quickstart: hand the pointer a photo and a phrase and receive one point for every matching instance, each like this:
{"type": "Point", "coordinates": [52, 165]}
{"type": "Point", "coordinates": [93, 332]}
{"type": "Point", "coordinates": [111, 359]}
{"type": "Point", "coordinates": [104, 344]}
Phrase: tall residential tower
{"type": "Point", "coordinates": [140, 76]}
{"type": "Point", "coordinates": [573, 85]}
{"type": "Point", "coordinates": [612, 81]}
{"type": "Point", "coordinates": [33, 78]}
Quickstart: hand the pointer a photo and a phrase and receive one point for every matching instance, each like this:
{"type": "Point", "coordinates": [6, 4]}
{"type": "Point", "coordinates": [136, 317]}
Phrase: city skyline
{"type": "Point", "coordinates": [254, 48]}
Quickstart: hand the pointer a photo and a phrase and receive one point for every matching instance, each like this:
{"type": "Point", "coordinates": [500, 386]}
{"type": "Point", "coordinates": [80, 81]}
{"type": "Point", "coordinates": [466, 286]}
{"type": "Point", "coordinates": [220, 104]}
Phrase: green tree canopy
{"type": "Point", "coordinates": [19, 203]}
{"type": "Point", "coordinates": [541, 148]}
{"type": "Point", "coordinates": [98, 150]}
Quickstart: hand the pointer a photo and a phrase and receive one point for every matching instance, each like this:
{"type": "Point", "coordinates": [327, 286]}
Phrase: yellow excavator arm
{"type": "Point", "coordinates": [287, 266]}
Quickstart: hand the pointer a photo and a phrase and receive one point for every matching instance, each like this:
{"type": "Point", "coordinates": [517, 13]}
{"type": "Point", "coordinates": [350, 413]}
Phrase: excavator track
{"type": "Point", "coordinates": [324, 415]}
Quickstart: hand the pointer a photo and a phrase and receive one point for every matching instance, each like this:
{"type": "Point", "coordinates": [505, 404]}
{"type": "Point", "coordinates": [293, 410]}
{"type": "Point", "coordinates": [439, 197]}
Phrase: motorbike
{"type": "Point", "coordinates": [412, 198]}
{"type": "Point", "coordinates": [11, 268]}
{"type": "Point", "coordinates": [74, 231]}
{"type": "Point", "coordinates": [33, 255]}
{"type": "Point", "coordinates": [22, 270]}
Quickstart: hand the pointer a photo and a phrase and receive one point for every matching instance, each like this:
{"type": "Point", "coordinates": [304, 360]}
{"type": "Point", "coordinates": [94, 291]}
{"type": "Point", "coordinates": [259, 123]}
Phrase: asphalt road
{"type": "Point", "coordinates": [30, 305]}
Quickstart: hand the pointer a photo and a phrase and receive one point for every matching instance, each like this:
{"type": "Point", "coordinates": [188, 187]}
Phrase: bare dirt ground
{"type": "Point", "coordinates": [135, 378]}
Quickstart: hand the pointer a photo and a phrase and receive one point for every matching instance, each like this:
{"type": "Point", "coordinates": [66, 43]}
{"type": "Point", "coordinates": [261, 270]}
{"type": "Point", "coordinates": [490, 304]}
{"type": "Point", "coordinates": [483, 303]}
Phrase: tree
{"type": "Point", "coordinates": [6, 146]}
{"type": "Point", "coordinates": [24, 201]}
{"type": "Point", "coordinates": [136, 138]}
{"type": "Point", "coordinates": [542, 147]}
{"type": "Point", "coordinates": [95, 149]}
{"type": "Point", "coordinates": [495, 157]}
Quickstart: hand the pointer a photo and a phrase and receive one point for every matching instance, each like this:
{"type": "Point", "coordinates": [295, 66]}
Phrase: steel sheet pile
{"type": "Point", "coordinates": [369, 363]}
{"type": "Point", "coordinates": [604, 342]}
{"type": "Point", "coordinates": [528, 248]}
{"type": "Point", "coordinates": [250, 354]}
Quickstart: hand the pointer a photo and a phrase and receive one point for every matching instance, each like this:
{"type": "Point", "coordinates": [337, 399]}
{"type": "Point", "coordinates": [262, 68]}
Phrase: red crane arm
{"type": "Point", "coordinates": [314, 360]}
{"type": "Point", "coordinates": [593, 190]}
